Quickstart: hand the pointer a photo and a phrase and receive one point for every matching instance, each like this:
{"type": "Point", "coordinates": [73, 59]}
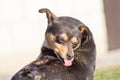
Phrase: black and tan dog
{"type": "Point", "coordinates": [68, 52]}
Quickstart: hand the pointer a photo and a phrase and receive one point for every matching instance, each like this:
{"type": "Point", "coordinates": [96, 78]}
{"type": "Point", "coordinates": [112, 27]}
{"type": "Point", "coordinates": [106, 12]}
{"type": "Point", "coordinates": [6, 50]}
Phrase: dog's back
{"type": "Point", "coordinates": [50, 68]}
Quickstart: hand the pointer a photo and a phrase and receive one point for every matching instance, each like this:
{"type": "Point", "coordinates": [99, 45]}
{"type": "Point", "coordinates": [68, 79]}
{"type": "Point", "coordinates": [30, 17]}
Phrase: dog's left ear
{"type": "Point", "coordinates": [86, 34]}
{"type": "Point", "coordinates": [50, 16]}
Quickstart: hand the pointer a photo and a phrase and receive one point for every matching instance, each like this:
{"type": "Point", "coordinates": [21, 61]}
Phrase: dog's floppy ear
{"type": "Point", "coordinates": [86, 34]}
{"type": "Point", "coordinates": [50, 16]}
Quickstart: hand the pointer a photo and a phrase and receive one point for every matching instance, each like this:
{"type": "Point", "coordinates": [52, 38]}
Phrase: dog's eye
{"type": "Point", "coordinates": [74, 45]}
{"type": "Point", "coordinates": [59, 40]}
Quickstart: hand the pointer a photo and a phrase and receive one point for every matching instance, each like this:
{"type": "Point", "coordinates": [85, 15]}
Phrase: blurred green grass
{"type": "Point", "coordinates": [108, 73]}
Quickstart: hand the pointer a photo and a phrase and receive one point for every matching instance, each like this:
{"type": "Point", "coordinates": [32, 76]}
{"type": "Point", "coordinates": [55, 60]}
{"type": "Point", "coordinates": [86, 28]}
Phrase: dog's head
{"type": "Point", "coordinates": [64, 35]}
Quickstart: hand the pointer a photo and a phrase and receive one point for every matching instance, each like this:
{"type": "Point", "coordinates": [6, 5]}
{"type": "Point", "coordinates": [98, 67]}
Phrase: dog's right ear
{"type": "Point", "coordinates": [50, 16]}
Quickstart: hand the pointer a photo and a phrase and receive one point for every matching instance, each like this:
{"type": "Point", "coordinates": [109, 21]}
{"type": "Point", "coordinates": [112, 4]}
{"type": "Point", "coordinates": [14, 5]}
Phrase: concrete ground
{"type": "Point", "coordinates": [112, 58]}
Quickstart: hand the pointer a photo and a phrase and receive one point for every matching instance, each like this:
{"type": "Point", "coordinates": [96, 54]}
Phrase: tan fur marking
{"type": "Point", "coordinates": [61, 49]}
{"type": "Point", "coordinates": [51, 40]}
{"type": "Point", "coordinates": [83, 28]}
{"type": "Point", "coordinates": [64, 36]}
{"type": "Point", "coordinates": [86, 49]}
{"type": "Point", "coordinates": [74, 40]}
{"type": "Point", "coordinates": [40, 62]}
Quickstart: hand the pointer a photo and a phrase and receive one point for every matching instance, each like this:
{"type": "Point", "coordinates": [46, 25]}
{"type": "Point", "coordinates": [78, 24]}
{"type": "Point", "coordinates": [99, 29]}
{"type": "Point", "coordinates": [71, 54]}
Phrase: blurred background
{"type": "Point", "coordinates": [22, 29]}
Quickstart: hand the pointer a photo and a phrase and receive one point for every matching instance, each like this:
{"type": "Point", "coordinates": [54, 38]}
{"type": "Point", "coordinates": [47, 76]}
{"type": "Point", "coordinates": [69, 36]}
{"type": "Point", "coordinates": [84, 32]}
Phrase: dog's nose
{"type": "Point", "coordinates": [69, 56]}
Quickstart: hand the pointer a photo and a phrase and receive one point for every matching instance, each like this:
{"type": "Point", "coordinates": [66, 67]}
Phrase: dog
{"type": "Point", "coordinates": [68, 52]}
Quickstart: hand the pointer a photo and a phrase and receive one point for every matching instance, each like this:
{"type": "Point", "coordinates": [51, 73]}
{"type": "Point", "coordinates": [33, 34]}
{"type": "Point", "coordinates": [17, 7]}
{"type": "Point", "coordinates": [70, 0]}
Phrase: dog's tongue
{"type": "Point", "coordinates": [67, 62]}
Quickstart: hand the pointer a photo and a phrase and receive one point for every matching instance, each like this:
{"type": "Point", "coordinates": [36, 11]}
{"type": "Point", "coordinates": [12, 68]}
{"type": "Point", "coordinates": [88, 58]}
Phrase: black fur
{"type": "Point", "coordinates": [49, 67]}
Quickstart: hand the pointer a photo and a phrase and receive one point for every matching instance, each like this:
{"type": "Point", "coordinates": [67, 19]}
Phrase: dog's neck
{"type": "Point", "coordinates": [46, 45]}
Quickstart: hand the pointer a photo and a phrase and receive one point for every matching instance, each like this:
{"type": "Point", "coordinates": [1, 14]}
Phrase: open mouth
{"type": "Point", "coordinates": [65, 62]}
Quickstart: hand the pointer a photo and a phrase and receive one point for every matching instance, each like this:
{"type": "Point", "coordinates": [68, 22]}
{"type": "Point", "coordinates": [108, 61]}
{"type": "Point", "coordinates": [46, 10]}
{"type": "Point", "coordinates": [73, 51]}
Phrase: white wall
{"type": "Point", "coordinates": [22, 27]}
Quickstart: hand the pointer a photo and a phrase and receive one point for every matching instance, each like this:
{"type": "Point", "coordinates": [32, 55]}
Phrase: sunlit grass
{"type": "Point", "coordinates": [108, 73]}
